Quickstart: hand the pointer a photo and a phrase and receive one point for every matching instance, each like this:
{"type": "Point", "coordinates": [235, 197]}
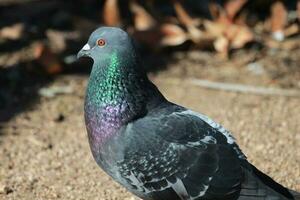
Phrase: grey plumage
{"type": "Point", "coordinates": [171, 149]}
{"type": "Point", "coordinates": [156, 149]}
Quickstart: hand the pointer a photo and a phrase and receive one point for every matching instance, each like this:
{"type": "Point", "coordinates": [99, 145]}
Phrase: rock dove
{"type": "Point", "coordinates": [156, 149]}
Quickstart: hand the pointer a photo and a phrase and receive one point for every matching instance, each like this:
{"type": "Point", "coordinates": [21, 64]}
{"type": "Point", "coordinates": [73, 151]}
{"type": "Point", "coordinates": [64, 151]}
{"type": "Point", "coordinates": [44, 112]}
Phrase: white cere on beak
{"type": "Point", "coordinates": [86, 47]}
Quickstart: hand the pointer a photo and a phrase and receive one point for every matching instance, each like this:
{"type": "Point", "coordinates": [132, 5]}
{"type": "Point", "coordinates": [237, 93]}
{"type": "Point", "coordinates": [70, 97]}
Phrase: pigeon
{"type": "Point", "coordinates": [154, 148]}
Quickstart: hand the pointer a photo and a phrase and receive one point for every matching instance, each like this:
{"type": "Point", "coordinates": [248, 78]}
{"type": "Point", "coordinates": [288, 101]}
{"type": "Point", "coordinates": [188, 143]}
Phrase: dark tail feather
{"type": "Point", "coordinates": [271, 183]}
{"type": "Point", "coordinates": [259, 186]}
{"type": "Point", "coordinates": [295, 194]}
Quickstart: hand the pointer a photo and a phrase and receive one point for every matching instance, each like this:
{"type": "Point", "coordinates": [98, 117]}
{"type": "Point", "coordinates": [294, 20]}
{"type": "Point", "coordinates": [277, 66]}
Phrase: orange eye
{"type": "Point", "coordinates": [101, 42]}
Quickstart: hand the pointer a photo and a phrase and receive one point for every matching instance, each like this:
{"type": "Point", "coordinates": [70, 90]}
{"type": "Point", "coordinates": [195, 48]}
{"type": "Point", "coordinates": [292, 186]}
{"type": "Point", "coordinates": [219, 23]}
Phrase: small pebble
{"type": "Point", "coordinates": [60, 118]}
{"type": "Point", "coordinates": [4, 189]}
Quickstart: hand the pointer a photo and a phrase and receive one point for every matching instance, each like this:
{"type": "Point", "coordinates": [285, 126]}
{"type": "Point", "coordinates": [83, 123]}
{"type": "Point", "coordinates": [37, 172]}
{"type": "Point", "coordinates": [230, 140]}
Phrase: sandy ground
{"type": "Point", "coordinates": [44, 153]}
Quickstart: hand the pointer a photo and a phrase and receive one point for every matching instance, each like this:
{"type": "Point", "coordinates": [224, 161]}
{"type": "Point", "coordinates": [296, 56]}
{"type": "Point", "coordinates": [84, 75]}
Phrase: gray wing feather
{"type": "Point", "coordinates": [180, 150]}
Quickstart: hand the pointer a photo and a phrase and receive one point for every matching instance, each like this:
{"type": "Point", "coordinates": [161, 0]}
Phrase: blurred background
{"type": "Point", "coordinates": [237, 61]}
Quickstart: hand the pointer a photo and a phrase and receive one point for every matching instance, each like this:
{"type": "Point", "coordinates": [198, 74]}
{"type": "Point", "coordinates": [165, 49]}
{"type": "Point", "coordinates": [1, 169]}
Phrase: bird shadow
{"type": "Point", "coordinates": [19, 89]}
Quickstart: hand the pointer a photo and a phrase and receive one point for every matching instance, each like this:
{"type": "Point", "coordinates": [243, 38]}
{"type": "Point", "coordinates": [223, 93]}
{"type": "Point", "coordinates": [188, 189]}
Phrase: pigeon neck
{"type": "Point", "coordinates": [116, 91]}
{"type": "Point", "coordinates": [114, 97]}
{"type": "Point", "coordinates": [105, 81]}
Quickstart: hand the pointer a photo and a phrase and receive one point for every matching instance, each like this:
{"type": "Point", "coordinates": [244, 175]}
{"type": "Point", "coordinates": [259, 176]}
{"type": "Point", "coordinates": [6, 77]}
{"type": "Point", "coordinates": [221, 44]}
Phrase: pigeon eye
{"type": "Point", "coordinates": [101, 42]}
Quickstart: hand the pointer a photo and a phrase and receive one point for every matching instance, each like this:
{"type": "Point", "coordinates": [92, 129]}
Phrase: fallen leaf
{"type": "Point", "coordinates": [182, 15]}
{"type": "Point", "coordinates": [241, 19]}
{"type": "Point", "coordinates": [195, 34]}
{"type": "Point", "coordinates": [163, 35]}
{"type": "Point", "coordinates": [215, 29]}
{"type": "Point", "coordinates": [172, 35]}
{"type": "Point", "coordinates": [214, 9]}
{"type": "Point", "coordinates": [142, 19]}
{"type": "Point", "coordinates": [25, 54]}
{"type": "Point", "coordinates": [232, 7]}
{"type": "Point", "coordinates": [228, 37]}
{"type": "Point", "coordinates": [298, 10]}
{"type": "Point", "coordinates": [293, 29]}
{"type": "Point", "coordinates": [57, 40]}
{"type": "Point", "coordinates": [278, 20]}
{"type": "Point", "coordinates": [218, 13]}
{"type": "Point", "coordinates": [13, 32]}
{"type": "Point", "coordinates": [242, 36]}
{"type": "Point", "coordinates": [288, 44]}
{"type": "Point", "coordinates": [111, 13]}
{"type": "Point", "coordinates": [45, 57]}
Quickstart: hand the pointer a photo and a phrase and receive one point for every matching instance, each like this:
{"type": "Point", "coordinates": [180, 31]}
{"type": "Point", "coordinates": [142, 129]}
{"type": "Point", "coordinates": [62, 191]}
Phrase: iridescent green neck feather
{"type": "Point", "coordinates": [118, 89]}
{"type": "Point", "coordinates": [105, 85]}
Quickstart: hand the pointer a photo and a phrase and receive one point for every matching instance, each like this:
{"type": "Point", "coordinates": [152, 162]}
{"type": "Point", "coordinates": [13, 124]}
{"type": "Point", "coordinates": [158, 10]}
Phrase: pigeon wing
{"type": "Point", "coordinates": [178, 149]}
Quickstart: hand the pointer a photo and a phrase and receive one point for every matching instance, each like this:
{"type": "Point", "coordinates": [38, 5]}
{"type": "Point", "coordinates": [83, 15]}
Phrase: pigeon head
{"type": "Point", "coordinates": [105, 42]}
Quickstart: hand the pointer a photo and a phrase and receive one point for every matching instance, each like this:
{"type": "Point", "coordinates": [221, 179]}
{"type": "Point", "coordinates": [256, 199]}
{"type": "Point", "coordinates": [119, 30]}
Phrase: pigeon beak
{"type": "Point", "coordinates": [85, 51]}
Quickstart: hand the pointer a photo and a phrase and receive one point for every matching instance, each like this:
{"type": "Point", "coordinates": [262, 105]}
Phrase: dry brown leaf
{"type": "Point", "coordinates": [13, 32]}
{"type": "Point", "coordinates": [228, 36]}
{"type": "Point", "coordinates": [214, 10]}
{"type": "Point", "coordinates": [242, 36]}
{"type": "Point", "coordinates": [232, 7]}
{"type": "Point", "coordinates": [298, 9]}
{"type": "Point", "coordinates": [164, 35]}
{"type": "Point", "coordinates": [111, 13]}
{"type": "Point", "coordinates": [47, 59]}
{"type": "Point", "coordinates": [218, 13]}
{"type": "Point", "coordinates": [215, 29]}
{"type": "Point", "coordinates": [289, 44]}
{"type": "Point", "coordinates": [278, 20]}
{"type": "Point", "coordinates": [292, 30]}
{"type": "Point", "coordinates": [172, 35]}
{"type": "Point", "coordinates": [194, 33]}
{"type": "Point", "coordinates": [57, 40]}
{"type": "Point", "coordinates": [182, 15]}
{"type": "Point", "coordinates": [142, 19]}
{"type": "Point", "coordinates": [241, 19]}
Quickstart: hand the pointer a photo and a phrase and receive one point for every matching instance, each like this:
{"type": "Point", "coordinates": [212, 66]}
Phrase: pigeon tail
{"type": "Point", "coordinates": [260, 186]}
{"type": "Point", "coordinates": [295, 194]}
